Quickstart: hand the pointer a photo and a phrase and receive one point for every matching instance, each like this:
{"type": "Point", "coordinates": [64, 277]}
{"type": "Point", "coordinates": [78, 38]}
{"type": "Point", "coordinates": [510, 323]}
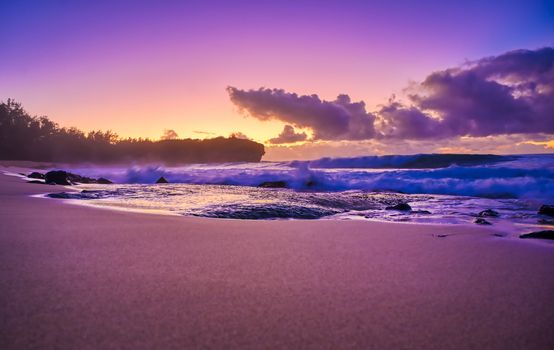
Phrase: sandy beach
{"type": "Point", "coordinates": [76, 277]}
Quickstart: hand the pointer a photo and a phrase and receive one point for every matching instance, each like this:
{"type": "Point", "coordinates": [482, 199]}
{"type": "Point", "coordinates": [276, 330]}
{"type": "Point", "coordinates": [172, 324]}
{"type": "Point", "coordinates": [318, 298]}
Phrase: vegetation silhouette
{"type": "Point", "coordinates": [37, 138]}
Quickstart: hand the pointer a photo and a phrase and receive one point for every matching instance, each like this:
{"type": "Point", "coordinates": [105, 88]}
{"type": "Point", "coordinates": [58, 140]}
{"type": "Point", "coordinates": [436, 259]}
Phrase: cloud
{"type": "Point", "coordinates": [512, 93]}
{"type": "Point", "coordinates": [398, 121]}
{"type": "Point", "coordinates": [169, 134]}
{"type": "Point", "coordinates": [546, 144]}
{"type": "Point", "coordinates": [500, 144]}
{"type": "Point", "coordinates": [519, 65]}
{"type": "Point", "coordinates": [340, 119]}
{"type": "Point", "coordinates": [288, 135]}
{"type": "Point", "coordinates": [507, 94]}
{"type": "Point", "coordinates": [203, 132]}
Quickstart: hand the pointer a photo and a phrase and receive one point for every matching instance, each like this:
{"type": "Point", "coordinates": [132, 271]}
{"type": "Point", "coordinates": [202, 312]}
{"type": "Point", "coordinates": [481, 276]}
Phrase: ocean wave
{"type": "Point", "coordinates": [527, 177]}
{"type": "Point", "coordinates": [514, 187]}
{"type": "Point", "coordinates": [416, 161]}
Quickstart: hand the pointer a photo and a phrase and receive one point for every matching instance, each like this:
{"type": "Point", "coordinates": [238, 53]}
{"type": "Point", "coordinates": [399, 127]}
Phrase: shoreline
{"type": "Point", "coordinates": [81, 277]}
{"type": "Point", "coordinates": [506, 229]}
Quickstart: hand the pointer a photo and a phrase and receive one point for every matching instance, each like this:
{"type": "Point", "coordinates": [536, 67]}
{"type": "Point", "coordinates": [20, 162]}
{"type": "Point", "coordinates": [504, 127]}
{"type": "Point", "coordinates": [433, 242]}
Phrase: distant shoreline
{"type": "Point", "coordinates": [276, 191]}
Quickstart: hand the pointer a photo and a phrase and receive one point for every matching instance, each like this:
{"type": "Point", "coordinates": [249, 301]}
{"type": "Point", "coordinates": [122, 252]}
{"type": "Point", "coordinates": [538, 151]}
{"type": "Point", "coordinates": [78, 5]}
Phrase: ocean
{"type": "Point", "coordinates": [439, 188]}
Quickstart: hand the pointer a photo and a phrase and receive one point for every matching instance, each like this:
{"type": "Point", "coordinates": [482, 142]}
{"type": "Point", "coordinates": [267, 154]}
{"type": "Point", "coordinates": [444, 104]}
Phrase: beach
{"type": "Point", "coordinates": [75, 276]}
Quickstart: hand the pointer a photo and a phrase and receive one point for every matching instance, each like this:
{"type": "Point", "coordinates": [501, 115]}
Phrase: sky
{"type": "Point", "coordinates": [308, 78]}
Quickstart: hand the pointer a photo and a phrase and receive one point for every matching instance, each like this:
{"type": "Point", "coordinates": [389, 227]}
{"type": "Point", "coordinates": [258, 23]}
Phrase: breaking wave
{"type": "Point", "coordinates": [525, 177]}
{"type": "Point", "coordinates": [352, 188]}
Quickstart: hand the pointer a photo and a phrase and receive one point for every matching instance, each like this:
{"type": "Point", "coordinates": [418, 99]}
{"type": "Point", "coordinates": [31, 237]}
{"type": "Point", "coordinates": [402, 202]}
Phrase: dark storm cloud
{"type": "Point", "coordinates": [506, 94]}
{"type": "Point", "coordinates": [522, 65]}
{"type": "Point", "coordinates": [289, 135]}
{"type": "Point", "coordinates": [398, 121]}
{"type": "Point", "coordinates": [512, 93]}
{"type": "Point", "coordinates": [340, 119]}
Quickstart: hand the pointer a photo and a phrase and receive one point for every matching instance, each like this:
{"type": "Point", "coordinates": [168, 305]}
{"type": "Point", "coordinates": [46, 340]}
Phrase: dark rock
{"type": "Point", "coordinates": [273, 184]}
{"type": "Point", "coordinates": [36, 175]}
{"type": "Point", "coordinates": [58, 177]}
{"type": "Point", "coordinates": [546, 234]}
{"type": "Point", "coordinates": [426, 212]}
{"type": "Point", "coordinates": [441, 235]}
{"type": "Point", "coordinates": [499, 235]}
{"type": "Point", "coordinates": [310, 183]}
{"type": "Point", "coordinates": [481, 221]}
{"type": "Point", "coordinates": [61, 195]}
{"type": "Point", "coordinates": [162, 180]}
{"type": "Point", "coordinates": [488, 213]}
{"type": "Point", "coordinates": [400, 206]}
{"type": "Point", "coordinates": [104, 181]}
{"type": "Point", "coordinates": [61, 177]}
{"type": "Point", "coordinates": [545, 222]}
{"type": "Point", "coordinates": [547, 210]}
{"type": "Point", "coordinates": [36, 182]}
{"type": "Point", "coordinates": [74, 178]}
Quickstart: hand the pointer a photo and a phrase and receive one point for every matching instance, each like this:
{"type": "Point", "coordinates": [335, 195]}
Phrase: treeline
{"type": "Point", "coordinates": [25, 137]}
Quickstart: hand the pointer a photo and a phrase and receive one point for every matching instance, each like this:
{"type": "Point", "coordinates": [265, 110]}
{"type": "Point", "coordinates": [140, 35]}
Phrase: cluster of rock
{"type": "Point", "coordinates": [488, 213]}
{"type": "Point", "coordinates": [545, 209]}
{"type": "Point", "coordinates": [61, 177]}
{"type": "Point", "coordinates": [481, 221]}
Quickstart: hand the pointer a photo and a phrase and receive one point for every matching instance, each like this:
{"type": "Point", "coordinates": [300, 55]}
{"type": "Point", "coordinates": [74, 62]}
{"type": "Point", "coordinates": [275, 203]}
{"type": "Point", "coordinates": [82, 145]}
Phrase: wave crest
{"type": "Point", "coordinates": [529, 177]}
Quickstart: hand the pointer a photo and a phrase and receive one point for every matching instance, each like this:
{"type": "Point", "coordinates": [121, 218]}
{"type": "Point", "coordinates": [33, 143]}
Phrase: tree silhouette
{"type": "Point", "coordinates": [25, 137]}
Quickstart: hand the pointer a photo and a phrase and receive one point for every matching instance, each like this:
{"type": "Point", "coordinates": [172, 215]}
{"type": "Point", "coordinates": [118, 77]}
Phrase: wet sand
{"type": "Point", "coordinates": [87, 278]}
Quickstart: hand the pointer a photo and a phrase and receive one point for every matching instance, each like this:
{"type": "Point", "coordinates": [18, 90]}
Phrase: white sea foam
{"type": "Point", "coordinates": [513, 186]}
{"type": "Point", "coordinates": [525, 177]}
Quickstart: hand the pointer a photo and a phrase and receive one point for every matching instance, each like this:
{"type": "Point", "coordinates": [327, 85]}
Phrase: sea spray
{"type": "Point", "coordinates": [524, 177]}
{"type": "Point", "coordinates": [515, 186]}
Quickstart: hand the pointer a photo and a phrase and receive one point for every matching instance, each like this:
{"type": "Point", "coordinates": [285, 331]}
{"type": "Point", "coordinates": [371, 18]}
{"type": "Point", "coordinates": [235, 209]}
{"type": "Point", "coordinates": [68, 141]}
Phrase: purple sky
{"type": "Point", "coordinates": [139, 67]}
